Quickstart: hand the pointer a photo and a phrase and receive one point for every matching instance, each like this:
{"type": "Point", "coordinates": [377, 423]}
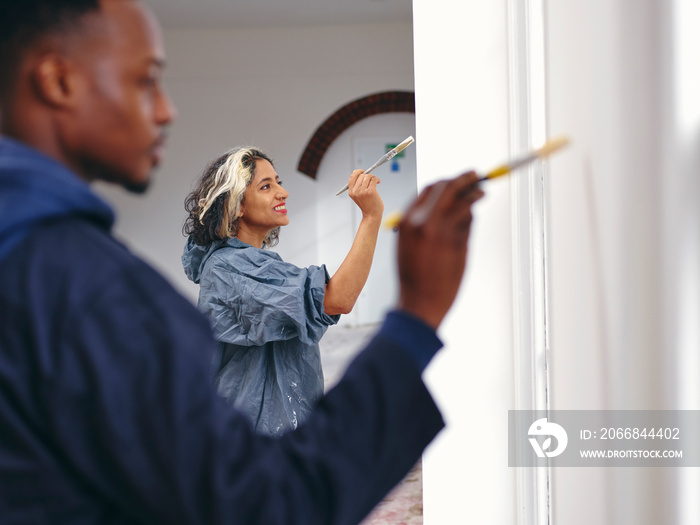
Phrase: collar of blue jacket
{"type": "Point", "coordinates": [35, 188]}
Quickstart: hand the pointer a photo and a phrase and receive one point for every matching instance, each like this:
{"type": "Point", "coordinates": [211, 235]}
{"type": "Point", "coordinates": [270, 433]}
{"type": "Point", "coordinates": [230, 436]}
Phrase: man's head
{"type": "Point", "coordinates": [80, 80]}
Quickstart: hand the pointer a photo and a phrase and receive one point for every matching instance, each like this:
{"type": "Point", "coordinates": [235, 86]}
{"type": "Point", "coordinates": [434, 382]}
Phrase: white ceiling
{"type": "Point", "coordinates": [222, 14]}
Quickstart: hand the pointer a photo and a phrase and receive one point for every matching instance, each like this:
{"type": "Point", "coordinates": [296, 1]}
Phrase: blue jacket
{"type": "Point", "coordinates": [268, 318]}
{"type": "Point", "coordinates": [107, 413]}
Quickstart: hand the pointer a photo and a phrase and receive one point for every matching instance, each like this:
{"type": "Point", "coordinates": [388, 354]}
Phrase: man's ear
{"type": "Point", "coordinates": [54, 82]}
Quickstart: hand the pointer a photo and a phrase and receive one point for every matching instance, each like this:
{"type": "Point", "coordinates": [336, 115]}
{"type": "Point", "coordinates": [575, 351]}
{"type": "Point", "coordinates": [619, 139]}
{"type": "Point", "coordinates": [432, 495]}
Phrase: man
{"type": "Point", "coordinates": [107, 413]}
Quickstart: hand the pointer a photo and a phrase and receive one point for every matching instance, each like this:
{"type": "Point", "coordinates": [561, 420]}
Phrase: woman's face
{"type": "Point", "coordinates": [264, 206]}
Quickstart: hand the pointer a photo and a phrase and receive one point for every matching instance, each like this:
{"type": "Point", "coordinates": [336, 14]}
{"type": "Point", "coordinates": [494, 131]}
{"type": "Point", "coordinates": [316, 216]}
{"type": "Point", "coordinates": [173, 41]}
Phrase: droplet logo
{"type": "Point", "coordinates": [542, 427]}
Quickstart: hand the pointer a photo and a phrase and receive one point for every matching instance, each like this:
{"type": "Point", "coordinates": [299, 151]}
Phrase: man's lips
{"type": "Point", "coordinates": [158, 149]}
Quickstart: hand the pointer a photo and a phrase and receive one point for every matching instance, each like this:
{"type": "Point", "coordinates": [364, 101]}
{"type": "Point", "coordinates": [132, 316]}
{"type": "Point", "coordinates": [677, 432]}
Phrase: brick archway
{"type": "Point", "coordinates": [346, 116]}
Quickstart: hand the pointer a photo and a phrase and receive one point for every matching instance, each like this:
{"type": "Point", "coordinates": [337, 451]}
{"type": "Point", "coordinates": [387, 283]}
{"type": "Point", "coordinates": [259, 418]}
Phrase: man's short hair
{"type": "Point", "coordinates": [24, 22]}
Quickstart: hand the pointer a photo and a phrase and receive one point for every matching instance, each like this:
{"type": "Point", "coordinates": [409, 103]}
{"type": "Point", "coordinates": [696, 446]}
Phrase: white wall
{"type": "Point", "coordinates": [267, 87]}
{"type": "Point", "coordinates": [623, 260]}
{"type": "Point", "coordinates": [625, 238]}
{"type": "Point", "coordinates": [462, 122]}
{"type": "Point", "coordinates": [680, 231]}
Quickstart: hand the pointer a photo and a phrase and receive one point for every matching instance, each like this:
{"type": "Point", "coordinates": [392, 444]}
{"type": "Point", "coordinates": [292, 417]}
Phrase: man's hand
{"type": "Point", "coordinates": [432, 247]}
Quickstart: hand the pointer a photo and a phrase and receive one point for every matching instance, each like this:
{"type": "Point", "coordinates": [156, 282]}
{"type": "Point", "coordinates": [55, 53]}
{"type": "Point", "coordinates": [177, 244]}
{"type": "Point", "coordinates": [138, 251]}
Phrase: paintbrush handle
{"type": "Point", "coordinates": [547, 149]}
{"type": "Point", "coordinates": [393, 219]}
{"type": "Point", "coordinates": [387, 157]}
{"type": "Point", "coordinates": [505, 169]}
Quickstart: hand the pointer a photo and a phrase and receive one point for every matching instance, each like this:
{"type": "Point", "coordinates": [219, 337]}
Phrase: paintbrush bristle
{"type": "Point", "coordinates": [399, 148]}
{"type": "Point", "coordinates": [551, 146]}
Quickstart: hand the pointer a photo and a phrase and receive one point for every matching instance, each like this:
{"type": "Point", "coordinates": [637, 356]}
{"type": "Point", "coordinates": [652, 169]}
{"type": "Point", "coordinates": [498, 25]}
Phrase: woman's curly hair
{"type": "Point", "coordinates": [214, 205]}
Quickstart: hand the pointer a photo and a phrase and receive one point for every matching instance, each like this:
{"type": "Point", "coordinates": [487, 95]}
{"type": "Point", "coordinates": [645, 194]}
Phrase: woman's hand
{"type": "Point", "coordinates": [363, 191]}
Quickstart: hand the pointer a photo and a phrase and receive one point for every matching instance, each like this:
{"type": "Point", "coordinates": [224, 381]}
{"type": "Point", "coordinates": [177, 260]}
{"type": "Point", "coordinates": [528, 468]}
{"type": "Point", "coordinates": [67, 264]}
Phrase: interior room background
{"type": "Point", "coordinates": [586, 269]}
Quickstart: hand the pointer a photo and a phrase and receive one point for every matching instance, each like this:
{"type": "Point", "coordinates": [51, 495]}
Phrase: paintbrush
{"type": "Point", "coordinates": [393, 219]}
{"type": "Point", "coordinates": [385, 158]}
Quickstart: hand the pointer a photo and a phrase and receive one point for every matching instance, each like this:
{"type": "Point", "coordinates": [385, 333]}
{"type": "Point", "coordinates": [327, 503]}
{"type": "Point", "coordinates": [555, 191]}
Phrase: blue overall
{"type": "Point", "coordinates": [267, 316]}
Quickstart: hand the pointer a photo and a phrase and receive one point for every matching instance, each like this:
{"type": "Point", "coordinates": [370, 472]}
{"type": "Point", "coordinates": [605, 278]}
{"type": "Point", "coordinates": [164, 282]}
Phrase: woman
{"type": "Point", "coordinates": [268, 315]}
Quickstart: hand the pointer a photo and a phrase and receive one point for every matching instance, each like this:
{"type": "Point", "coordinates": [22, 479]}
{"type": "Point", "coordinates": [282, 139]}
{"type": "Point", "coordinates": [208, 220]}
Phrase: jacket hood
{"type": "Point", "coordinates": [194, 256]}
{"type": "Point", "coordinates": [35, 188]}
